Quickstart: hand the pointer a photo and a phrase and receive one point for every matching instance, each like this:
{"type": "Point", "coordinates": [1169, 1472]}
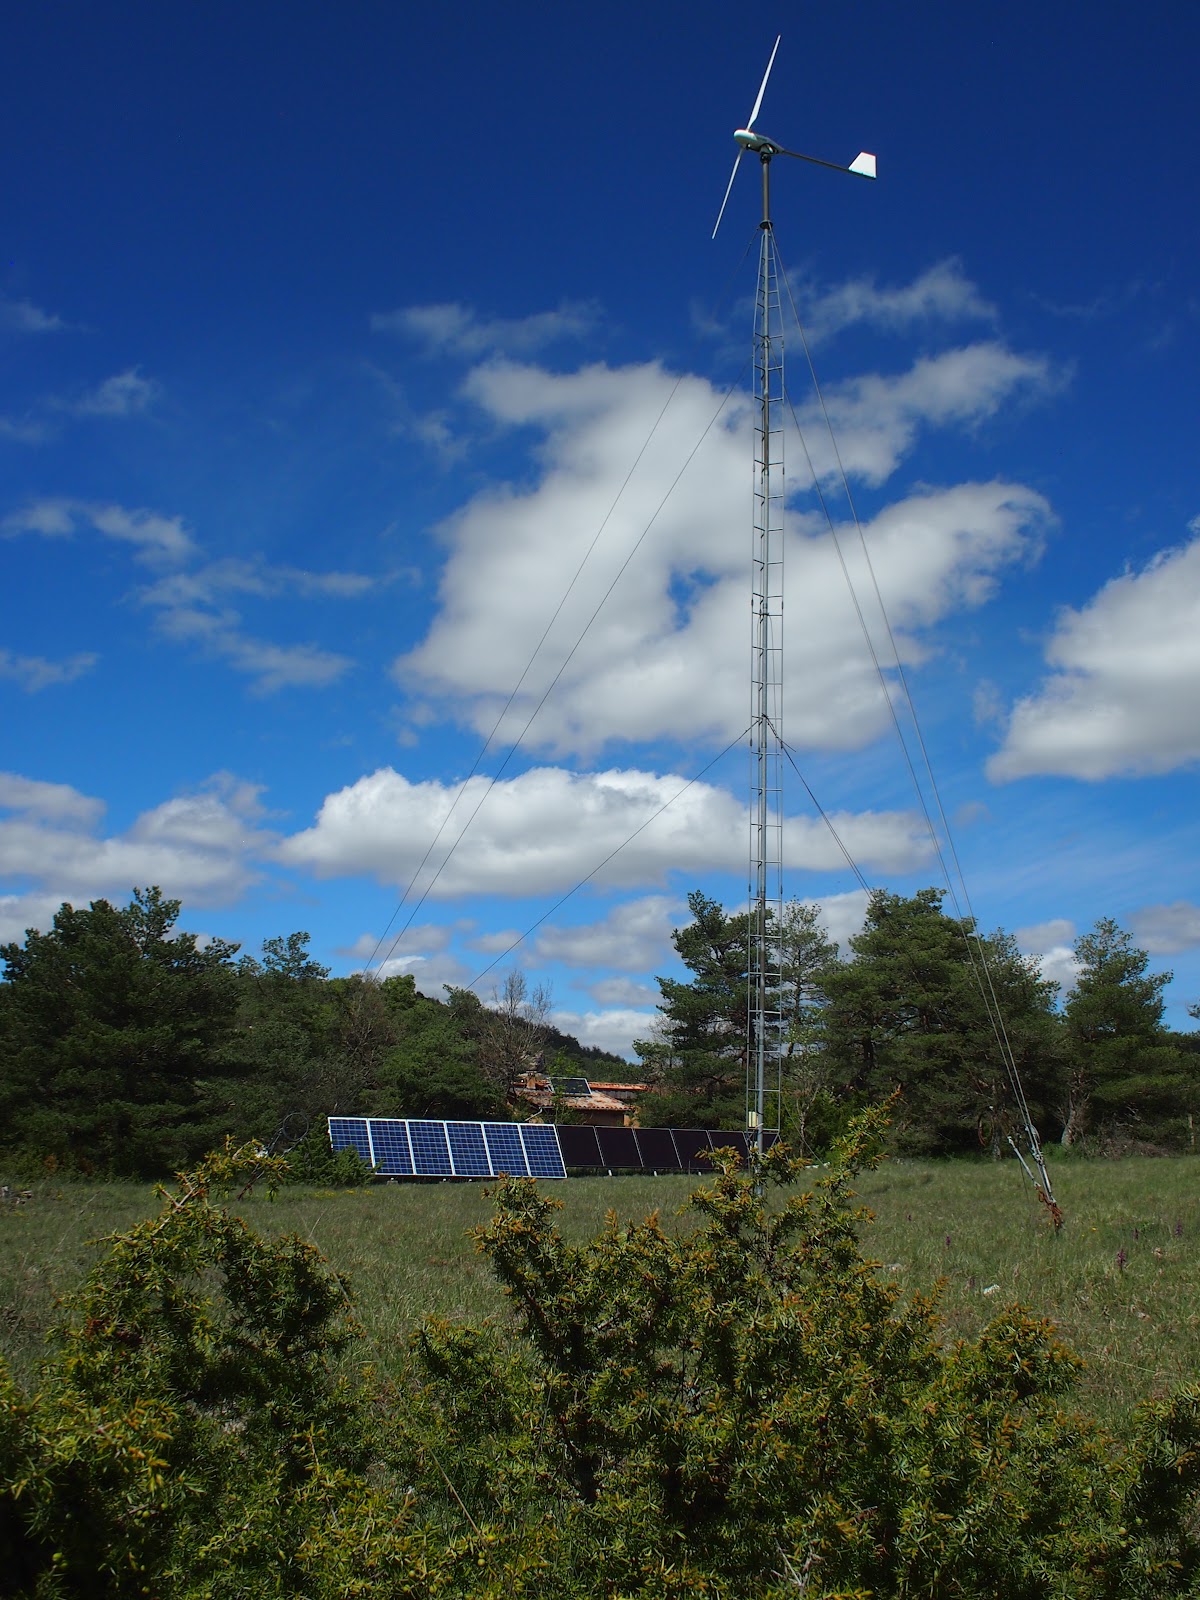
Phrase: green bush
{"type": "Point", "coordinates": [743, 1409]}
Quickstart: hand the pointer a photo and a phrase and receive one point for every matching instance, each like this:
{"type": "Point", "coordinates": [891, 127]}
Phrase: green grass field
{"type": "Point", "coordinates": [1120, 1279]}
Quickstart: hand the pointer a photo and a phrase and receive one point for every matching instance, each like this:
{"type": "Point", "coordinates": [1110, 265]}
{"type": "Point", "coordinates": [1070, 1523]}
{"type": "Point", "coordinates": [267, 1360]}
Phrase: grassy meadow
{"type": "Point", "coordinates": [1120, 1279]}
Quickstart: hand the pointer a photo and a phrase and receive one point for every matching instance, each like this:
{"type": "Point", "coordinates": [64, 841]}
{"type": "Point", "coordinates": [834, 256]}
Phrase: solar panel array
{"type": "Point", "coordinates": [409, 1148]}
{"type": "Point", "coordinates": [404, 1148]}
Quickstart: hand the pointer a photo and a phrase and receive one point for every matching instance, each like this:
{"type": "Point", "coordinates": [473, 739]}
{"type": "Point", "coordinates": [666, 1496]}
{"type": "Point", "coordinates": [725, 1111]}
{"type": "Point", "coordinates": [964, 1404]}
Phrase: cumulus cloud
{"type": "Point", "coordinates": [49, 802]}
{"type": "Point", "coordinates": [36, 672]}
{"type": "Point", "coordinates": [155, 538]}
{"type": "Point", "coordinates": [613, 1030]}
{"type": "Point", "coordinates": [125, 394]}
{"type": "Point", "coordinates": [635, 936]}
{"type": "Point", "coordinates": [877, 418]}
{"type": "Point", "coordinates": [22, 316]}
{"type": "Point", "coordinates": [1121, 697]}
{"type": "Point", "coordinates": [452, 326]}
{"type": "Point", "coordinates": [1166, 929]}
{"type": "Point", "coordinates": [842, 915]}
{"type": "Point", "coordinates": [625, 992]}
{"type": "Point", "coordinates": [1052, 943]}
{"type": "Point", "coordinates": [431, 974]}
{"type": "Point", "coordinates": [546, 830]}
{"type": "Point", "coordinates": [197, 846]}
{"type": "Point", "coordinates": [271, 666]}
{"type": "Point", "coordinates": [206, 585]}
{"type": "Point", "coordinates": [942, 293]}
{"type": "Point", "coordinates": [666, 655]}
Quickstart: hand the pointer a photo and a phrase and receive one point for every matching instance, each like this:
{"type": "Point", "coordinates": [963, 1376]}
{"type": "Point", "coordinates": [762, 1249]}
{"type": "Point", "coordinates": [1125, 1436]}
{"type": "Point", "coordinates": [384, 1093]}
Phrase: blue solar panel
{"type": "Point", "coordinates": [468, 1150]}
{"type": "Point", "coordinates": [541, 1147]}
{"type": "Point", "coordinates": [350, 1133]}
{"type": "Point", "coordinates": [392, 1153]}
{"type": "Point", "coordinates": [431, 1152]}
{"type": "Point", "coordinates": [505, 1148]}
{"type": "Point", "coordinates": [400, 1147]}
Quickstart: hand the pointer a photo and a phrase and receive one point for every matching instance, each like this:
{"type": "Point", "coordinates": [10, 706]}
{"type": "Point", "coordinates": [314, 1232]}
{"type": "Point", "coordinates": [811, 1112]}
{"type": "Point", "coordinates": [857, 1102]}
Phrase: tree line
{"type": "Point", "coordinates": [127, 1048]}
{"type": "Point", "coordinates": [923, 1003]}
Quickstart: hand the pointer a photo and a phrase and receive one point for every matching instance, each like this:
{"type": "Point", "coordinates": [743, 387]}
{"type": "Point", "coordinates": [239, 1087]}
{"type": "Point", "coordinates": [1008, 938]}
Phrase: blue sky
{"type": "Point", "coordinates": [329, 337]}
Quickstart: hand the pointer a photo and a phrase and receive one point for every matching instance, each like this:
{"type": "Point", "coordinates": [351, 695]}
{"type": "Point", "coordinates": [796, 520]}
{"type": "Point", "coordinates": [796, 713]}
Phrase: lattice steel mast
{"type": "Point", "coordinates": [764, 998]}
{"type": "Point", "coordinates": [764, 1025]}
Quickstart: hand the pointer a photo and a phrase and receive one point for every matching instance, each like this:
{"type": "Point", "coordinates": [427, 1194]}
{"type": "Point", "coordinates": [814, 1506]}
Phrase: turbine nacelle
{"type": "Point", "coordinates": [863, 165]}
{"type": "Point", "coordinates": [756, 143]}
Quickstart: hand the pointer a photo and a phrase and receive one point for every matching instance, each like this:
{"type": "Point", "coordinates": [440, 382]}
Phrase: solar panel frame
{"type": "Point", "coordinates": [693, 1147]}
{"type": "Point", "coordinates": [351, 1133]}
{"type": "Point", "coordinates": [618, 1148]}
{"type": "Point", "coordinates": [657, 1149]}
{"type": "Point", "coordinates": [505, 1149]}
{"type": "Point", "coordinates": [391, 1151]}
{"type": "Point", "coordinates": [735, 1139]}
{"type": "Point", "coordinates": [430, 1149]}
{"type": "Point", "coordinates": [468, 1150]}
{"type": "Point", "coordinates": [579, 1145]}
{"type": "Point", "coordinates": [543, 1154]}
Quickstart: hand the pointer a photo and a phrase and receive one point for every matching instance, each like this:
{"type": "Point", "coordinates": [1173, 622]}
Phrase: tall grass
{"type": "Point", "coordinates": [1119, 1280]}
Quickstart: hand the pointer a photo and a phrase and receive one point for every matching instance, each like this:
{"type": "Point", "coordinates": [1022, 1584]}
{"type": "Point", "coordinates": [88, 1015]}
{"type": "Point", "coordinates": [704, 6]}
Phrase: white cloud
{"type": "Point", "coordinates": [942, 293]}
{"type": "Point", "coordinates": [1051, 943]}
{"type": "Point", "coordinates": [419, 939]}
{"type": "Point", "coordinates": [613, 1030]}
{"type": "Point", "coordinates": [206, 585]}
{"type": "Point", "coordinates": [196, 847]}
{"type": "Point", "coordinates": [1165, 929]}
{"type": "Point", "coordinates": [1121, 698]}
{"type": "Point", "coordinates": [35, 672]}
{"type": "Point", "coordinates": [431, 974]}
{"type": "Point", "coordinates": [635, 936]}
{"type": "Point", "coordinates": [52, 802]}
{"type": "Point", "coordinates": [623, 992]}
{"type": "Point", "coordinates": [877, 418]}
{"type": "Point", "coordinates": [26, 430]}
{"type": "Point", "coordinates": [667, 654]}
{"type": "Point", "coordinates": [22, 316]}
{"type": "Point", "coordinates": [544, 831]}
{"type": "Point", "coordinates": [125, 394]}
{"type": "Point", "coordinates": [20, 912]}
{"type": "Point", "coordinates": [842, 915]}
{"type": "Point", "coordinates": [272, 666]}
{"type": "Point", "coordinates": [154, 537]}
{"type": "Point", "coordinates": [453, 326]}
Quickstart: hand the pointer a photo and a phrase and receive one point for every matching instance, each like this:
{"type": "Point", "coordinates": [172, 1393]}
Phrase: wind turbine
{"type": "Point", "coordinates": [764, 1020]}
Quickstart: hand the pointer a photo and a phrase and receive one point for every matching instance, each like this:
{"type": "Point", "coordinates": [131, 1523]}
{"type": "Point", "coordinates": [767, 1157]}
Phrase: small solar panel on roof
{"type": "Point", "coordinates": [570, 1086]}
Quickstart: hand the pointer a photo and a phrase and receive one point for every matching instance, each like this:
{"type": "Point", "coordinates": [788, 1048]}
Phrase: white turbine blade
{"type": "Point", "coordinates": [863, 164]}
{"type": "Point", "coordinates": [763, 85]}
{"type": "Point", "coordinates": [728, 188]}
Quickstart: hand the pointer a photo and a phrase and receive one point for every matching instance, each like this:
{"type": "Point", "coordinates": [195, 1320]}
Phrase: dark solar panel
{"type": "Point", "coordinates": [350, 1133]}
{"type": "Point", "coordinates": [389, 1140]}
{"type": "Point", "coordinates": [657, 1149]}
{"type": "Point", "coordinates": [693, 1147]}
{"type": "Point", "coordinates": [570, 1086]}
{"type": "Point", "coordinates": [618, 1148]}
{"type": "Point", "coordinates": [505, 1148]}
{"type": "Point", "coordinates": [729, 1139]}
{"type": "Point", "coordinates": [579, 1147]}
{"type": "Point", "coordinates": [542, 1151]}
{"type": "Point", "coordinates": [468, 1150]}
